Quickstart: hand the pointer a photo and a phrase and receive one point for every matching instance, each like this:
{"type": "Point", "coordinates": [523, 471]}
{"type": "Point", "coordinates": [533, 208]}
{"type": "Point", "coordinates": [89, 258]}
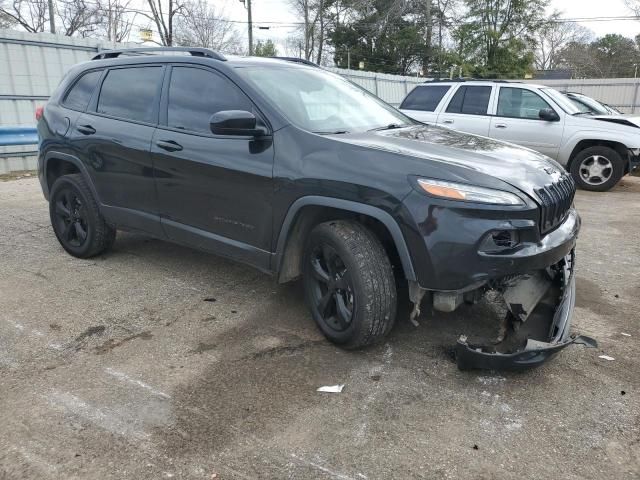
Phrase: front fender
{"type": "Point", "coordinates": [360, 208]}
{"type": "Point", "coordinates": [629, 142]}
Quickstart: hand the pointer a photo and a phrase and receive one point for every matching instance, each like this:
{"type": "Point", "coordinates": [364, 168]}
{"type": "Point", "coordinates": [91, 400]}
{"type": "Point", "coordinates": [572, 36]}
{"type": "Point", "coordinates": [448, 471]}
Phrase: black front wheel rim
{"type": "Point", "coordinates": [71, 218]}
{"type": "Point", "coordinates": [332, 292]}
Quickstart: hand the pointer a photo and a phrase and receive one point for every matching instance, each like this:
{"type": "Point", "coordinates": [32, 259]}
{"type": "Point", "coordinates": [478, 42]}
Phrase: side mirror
{"type": "Point", "coordinates": [235, 122]}
{"type": "Point", "coordinates": [549, 115]}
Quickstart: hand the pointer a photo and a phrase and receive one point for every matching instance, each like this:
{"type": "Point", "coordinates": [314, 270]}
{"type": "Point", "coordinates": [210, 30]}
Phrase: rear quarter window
{"type": "Point", "coordinates": [425, 98]}
{"type": "Point", "coordinates": [79, 95]}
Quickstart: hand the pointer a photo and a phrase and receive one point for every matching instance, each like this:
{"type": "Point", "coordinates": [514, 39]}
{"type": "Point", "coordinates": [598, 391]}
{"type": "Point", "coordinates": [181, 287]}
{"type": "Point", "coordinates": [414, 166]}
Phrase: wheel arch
{"type": "Point", "coordinates": [581, 145]}
{"type": "Point", "coordinates": [57, 164]}
{"type": "Point", "coordinates": [306, 212]}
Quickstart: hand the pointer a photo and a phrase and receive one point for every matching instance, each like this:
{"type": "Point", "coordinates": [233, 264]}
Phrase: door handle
{"type": "Point", "coordinates": [448, 122]}
{"type": "Point", "coordinates": [86, 129]}
{"type": "Point", "coordinates": [501, 125]}
{"type": "Point", "coordinates": [169, 145]}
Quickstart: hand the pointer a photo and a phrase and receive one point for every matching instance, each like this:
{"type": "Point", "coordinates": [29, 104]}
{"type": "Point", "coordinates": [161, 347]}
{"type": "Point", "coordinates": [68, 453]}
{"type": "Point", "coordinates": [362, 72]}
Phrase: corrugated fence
{"type": "Point", "coordinates": [32, 65]}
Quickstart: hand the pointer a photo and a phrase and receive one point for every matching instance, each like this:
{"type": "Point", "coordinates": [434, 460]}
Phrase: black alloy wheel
{"type": "Point", "coordinates": [331, 288]}
{"type": "Point", "coordinates": [71, 217]}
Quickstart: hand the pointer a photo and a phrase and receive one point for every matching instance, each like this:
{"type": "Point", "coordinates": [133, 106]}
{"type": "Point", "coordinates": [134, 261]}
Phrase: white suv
{"type": "Point", "coordinates": [597, 150]}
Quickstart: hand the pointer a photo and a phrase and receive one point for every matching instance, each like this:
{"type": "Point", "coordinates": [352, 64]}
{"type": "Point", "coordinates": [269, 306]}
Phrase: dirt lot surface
{"type": "Point", "coordinates": [155, 361]}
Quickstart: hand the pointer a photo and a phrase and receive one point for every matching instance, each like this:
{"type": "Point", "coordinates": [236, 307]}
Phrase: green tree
{"type": "Point", "coordinates": [610, 56]}
{"type": "Point", "coordinates": [387, 35]}
{"type": "Point", "coordinates": [265, 49]}
{"type": "Point", "coordinates": [500, 35]}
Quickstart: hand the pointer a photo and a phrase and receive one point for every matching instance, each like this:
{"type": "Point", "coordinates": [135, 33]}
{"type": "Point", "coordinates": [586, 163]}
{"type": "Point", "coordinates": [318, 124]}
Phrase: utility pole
{"type": "Point", "coordinates": [247, 5]}
{"type": "Point", "coordinates": [52, 19]}
{"type": "Point", "coordinates": [348, 59]}
{"type": "Point", "coordinates": [250, 27]}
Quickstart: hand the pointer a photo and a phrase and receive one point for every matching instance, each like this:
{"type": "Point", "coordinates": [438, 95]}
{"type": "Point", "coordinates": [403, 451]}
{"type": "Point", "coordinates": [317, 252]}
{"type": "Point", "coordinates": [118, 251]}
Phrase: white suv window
{"type": "Point", "coordinates": [470, 100]}
{"type": "Point", "coordinates": [520, 103]}
{"type": "Point", "coordinates": [425, 98]}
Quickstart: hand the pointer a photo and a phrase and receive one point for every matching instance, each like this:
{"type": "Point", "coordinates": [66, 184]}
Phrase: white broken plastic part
{"type": "Point", "coordinates": [331, 388]}
{"type": "Point", "coordinates": [606, 357]}
{"type": "Point", "coordinates": [625, 334]}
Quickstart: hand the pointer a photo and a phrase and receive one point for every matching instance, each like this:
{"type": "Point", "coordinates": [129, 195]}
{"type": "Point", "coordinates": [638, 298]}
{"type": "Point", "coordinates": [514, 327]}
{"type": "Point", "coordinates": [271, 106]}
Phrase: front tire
{"type": "Point", "coordinates": [597, 169]}
{"type": "Point", "coordinates": [349, 284]}
{"type": "Point", "coordinates": [76, 219]}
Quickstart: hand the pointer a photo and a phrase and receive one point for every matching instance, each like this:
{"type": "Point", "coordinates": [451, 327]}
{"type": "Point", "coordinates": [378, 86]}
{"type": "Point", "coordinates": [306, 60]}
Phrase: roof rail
{"type": "Point", "coordinates": [196, 52]}
{"type": "Point", "coordinates": [466, 79]}
{"type": "Point", "coordinates": [297, 60]}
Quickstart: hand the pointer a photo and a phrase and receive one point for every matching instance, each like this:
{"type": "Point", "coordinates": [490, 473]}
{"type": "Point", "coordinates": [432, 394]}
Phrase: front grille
{"type": "Point", "coordinates": [555, 201]}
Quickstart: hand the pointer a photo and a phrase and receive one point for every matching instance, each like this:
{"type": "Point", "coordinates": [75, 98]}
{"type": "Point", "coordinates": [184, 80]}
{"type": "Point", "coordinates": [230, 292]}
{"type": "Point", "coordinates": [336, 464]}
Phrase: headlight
{"type": "Point", "coordinates": [469, 193]}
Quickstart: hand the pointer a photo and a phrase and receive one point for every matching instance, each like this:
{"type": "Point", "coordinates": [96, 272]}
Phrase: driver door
{"type": "Point", "coordinates": [517, 121]}
{"type": "Point", "coordinates": [214, 191]}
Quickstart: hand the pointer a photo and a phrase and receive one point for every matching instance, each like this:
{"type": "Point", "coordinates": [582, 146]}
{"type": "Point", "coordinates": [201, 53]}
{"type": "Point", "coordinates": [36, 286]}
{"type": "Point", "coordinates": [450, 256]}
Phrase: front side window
{"type": "Point", "coordinates": [319, 101]}
{"type": "Point", "coordinates": [196, 94]}
{"type": "Point", "coordinates": [425, 98]}
{"type": "Point", "coordinates": [520, 103]}
{"type": "Point", "coordinates": [130, 93]}
{"type": "Point", "coordinates": [80, 94]}
{"type": "Point", "coordinates": [470, 100]}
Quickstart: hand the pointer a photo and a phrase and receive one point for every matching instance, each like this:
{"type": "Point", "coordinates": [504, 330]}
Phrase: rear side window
{"type": "Point", "coordinates": [80, 94]}
{"type": "Point", "coordinates": [196, 94]}
{"type": "Point", "coordinates": [425, 98]}
{"type": "Point", "coordinates": [130, 93]}
{"type": "Point", "coordinates": [470, 100]}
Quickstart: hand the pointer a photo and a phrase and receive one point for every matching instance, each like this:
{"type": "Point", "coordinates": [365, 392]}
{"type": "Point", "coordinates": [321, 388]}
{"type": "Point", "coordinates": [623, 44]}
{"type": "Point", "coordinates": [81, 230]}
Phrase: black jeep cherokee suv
{"type": "Point", "coordinates": [300, 173]}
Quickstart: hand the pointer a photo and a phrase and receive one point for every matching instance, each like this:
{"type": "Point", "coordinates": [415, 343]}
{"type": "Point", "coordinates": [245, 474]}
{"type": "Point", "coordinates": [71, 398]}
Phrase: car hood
{"type": "Point", "coordinates": [520, 167]}
{"type": "Point", "coordinates": [625, 120]}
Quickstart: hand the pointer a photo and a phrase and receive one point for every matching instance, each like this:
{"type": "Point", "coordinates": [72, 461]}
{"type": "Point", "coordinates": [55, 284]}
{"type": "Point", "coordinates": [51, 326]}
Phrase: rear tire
{"type": "Point", "coordinates": [349, 284]}
{"type": "Point", "coordinates": [76, 219]}
{"type": "Point", "coordinates": [597, 168]}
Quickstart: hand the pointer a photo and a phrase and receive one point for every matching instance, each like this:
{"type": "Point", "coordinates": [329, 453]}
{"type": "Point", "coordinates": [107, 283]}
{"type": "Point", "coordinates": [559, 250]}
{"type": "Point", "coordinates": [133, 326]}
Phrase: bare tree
{"type": "Point", "coordinates": [32, 15]}
{"type": "Point", "coordinates": [163, 13]}
{"type": "Point", "coordinates": [78, 17]}
{"type": "Point", "coordinates": [553, 38]}
{"type": "Point", "coordinates": [202, 26]}
{"type": "Point", "coordinates": [313, 30]}
{"type": "Point", "coordinates": [6, 21]}
{"type": "Point", "coordinates": [633, 6]}
{"type": "Point", "coordinates": [117, 19]}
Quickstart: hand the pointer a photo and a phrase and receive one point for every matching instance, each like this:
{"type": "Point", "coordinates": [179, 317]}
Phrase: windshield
{"type": "Point", "coordinates": [588, 104]}
{"type": "Point", "coordinates": [322, 102]}
{"type": "Point", "coordinates": [563, 101]}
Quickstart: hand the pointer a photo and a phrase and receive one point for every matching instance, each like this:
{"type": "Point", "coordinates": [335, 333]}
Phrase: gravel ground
{"type": "Point", "coordinates": [156, 361]}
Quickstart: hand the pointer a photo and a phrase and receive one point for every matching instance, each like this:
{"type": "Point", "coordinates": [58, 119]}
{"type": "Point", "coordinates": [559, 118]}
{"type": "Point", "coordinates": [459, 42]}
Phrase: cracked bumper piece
{"type": "Point", "coordinates": [527, 347]}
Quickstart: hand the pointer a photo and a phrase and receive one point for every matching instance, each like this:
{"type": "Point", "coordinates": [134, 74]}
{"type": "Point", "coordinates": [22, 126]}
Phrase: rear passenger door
{"type": "Point", "coordinates": [468, 110]}
{"type": "Point", "coordinates": [113, 139]}
{"type": "Point", "coordinates": [423, 101]}
{"type": "Point", "coordinates": [517, 120]}
{"type": "Point", "coordinates": [214, 191]}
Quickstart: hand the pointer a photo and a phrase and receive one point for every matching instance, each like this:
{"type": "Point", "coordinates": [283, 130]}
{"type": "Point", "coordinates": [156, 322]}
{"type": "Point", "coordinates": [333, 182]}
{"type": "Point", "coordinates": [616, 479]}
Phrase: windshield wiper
{"type": "Point", "coordinates": [583, 113]}
{"type": "Point", "coordinates": [390, 126]}
{"type": "Point", "coordinates": [334, 132]}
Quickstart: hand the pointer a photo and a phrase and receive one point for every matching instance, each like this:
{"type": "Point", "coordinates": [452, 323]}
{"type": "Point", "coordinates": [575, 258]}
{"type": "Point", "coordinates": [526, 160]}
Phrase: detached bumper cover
{"type": "Point", "coordinates": [535, 351]}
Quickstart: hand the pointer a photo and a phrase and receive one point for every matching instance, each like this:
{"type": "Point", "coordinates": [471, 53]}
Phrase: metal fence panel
{"type": "Point", "coordinates": [31, 66]}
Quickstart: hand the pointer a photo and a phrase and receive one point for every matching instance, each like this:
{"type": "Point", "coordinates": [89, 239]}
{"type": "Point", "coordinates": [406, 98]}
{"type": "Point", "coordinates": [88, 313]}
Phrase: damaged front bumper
{"type": "Point", "coordinates": [535, 331]}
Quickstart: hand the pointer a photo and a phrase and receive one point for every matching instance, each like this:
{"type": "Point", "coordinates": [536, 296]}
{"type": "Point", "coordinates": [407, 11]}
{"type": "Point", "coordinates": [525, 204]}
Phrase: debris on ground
{"type": "Point", "coordinates": [606, 357]}
{"type": "Point", "coordinates": [331, 388]}
{"type": "Point", "coordinates": [625, 334]}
